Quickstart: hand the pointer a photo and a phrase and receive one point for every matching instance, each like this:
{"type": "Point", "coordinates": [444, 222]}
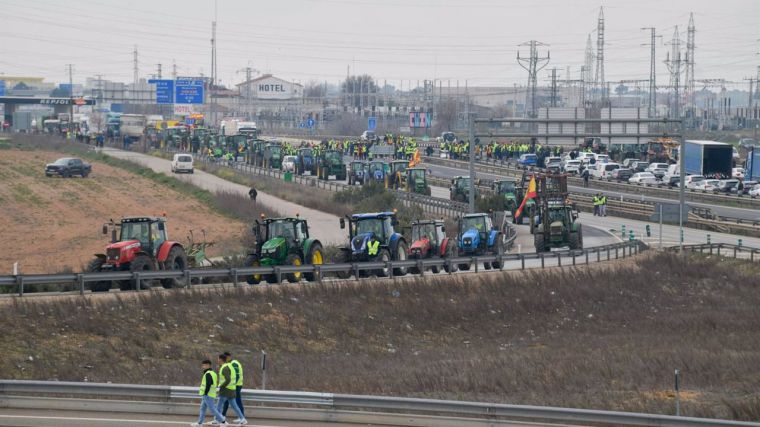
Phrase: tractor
{"type": "Point", "coordinates": [377, 171]}
{"type": "Point", "coordinates": [478, 236]}
{"type": "Point", "coordinates": [284, 241]}
{"type": "Point", "coordinates": [429, 240]}
{"type": "Point", "coordinates": [142, 245]}
{"type": "Point", "coordinates": [273, 156]}
{"type": "Point", "coordinates": [460, 189]}
{"type": "Point", "coordinates": [357, 172]}
{"type": "Point", "coordinates": [396, 175]}
{"type": "Point", "coordinates": [555, 223]}
{"type": "Point", "coordinates": [505, 193]}
{"type": "Point", "coordinates": [416, 181]}
{"type": "Point", "coordinates": [331, 163]}
{"type": "Point", "coordinates": [530, 205]}
{"type": "Point", "coordinates": [368, 229]}
{"type": "Point", "coordinates": [256, 152]}
{"type": "Point", "coordinates": [306, 161]}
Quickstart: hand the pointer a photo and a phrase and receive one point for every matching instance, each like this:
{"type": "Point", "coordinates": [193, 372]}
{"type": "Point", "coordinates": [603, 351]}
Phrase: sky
{"type": "Point", "coordinates": [395, 41]}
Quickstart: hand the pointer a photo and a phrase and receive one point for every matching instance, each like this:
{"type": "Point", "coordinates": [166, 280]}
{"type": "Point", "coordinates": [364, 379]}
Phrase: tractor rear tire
{"type": "Point", "coordinates": [496, 265]}
{"type": "Point", "coordinates": [142, 263]}
{"type": "Point", "coordinates": [451, 252]}
{"type": "Point", "coordinates": [344, 258]}
{"type": "Point", "coordinates": [95, 266]}
{"type": "Point", "coordinates": [428, 191]}
{"type": "Point", "coordinates": [464, 267]}
{"type": "Point", "coordinates": [271, 279]}
{"type": "Point", "coordinates": [316, 256]}
{"type": "Point", "coordinates": [176, 261]}
{"type": "Point", "coordinates": [401, 255]}
{"type": "Point", "coordinates": [383, 256]}
{"type": "Point", "coordinates": [295, 261]}
{"type": "Point", "coordinates": [539, 243]}
{"type": "Point", "coordinates": [252, 261]}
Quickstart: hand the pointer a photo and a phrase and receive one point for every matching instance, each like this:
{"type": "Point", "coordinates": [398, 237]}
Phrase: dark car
{"type": "Point", "coordinates": [68, 167]}
{"type": "Point", "coordinates": [620, 175]}
{"type": "Point", "coordinates": [727, 186]}
{"type": "Point", "coordinates": [639, 166]}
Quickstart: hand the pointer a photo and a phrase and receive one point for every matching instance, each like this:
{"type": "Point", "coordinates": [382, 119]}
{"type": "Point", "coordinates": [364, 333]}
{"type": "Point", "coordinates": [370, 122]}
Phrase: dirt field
{"type": "Point", "coordinates": [54, 224]}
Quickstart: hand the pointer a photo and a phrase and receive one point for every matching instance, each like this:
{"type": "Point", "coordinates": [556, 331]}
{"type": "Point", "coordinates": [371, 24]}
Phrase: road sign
{"type": "Point", "coordinates": [418, 119]}
{"type": "Point", "coordinates": [188, 91]}
{"type": "Point", "coordinates": [164, 91]}
{"type": "Point", "coordinates": [371, 123]}
{"type": "Point", "coordinates": [2, 87]}
{"type": "Point", "coordinates": [182, 110]}
{"type": "Point", "coordinates": [310, 123]}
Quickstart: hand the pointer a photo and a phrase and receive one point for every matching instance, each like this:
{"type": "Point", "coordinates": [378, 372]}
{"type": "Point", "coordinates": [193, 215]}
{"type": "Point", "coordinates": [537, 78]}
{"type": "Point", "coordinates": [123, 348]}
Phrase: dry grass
{"type": "Point", "coordinates": [606, 338]}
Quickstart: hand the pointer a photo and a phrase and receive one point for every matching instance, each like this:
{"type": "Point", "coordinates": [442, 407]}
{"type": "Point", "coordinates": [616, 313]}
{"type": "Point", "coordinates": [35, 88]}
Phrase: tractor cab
{"type": "Point", "coordinates": [236, 143]}
{"type": "Point", "coordinates": [273, 156]}
{"type": "Point", "coordinates": [276, 235]}
{"type": "Point", "coordinates": [372, 236]}
{"type": "Point", "coordinates": [460, 189]}
{"type": "Point", "coordinates": [357, 172]}
{"type": "Point", "coordinates": [377, 170]}
{"type": "Point", "coordinates": [416, 181]}
{"type": "Point", "coordinates": [427, 236]}
{"type": "Point", "coordinates": [476, 233]}
{"type": "Point", "coordinates": [506, 191]}
{"type": "Point", "coordinates": [143, 233]}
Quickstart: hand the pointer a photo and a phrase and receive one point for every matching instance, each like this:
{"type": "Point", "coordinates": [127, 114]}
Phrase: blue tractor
{"type": "Point", "coordinates": [306, 161]}
{"type": "Point", "coordinates": [370, 229]}
{"type": "Point", "coordinates": [478, 236]}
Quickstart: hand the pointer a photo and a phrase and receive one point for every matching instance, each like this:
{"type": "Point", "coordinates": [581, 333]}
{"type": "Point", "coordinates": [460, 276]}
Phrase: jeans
{"type": "Point", "coordinates": [224, 400]}
{"type": "Point", "coordinates": [238, 400]}
{"type": "Point", "coordinates": [208, 402]}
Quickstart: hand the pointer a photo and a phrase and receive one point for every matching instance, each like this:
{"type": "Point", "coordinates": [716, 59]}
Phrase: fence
{"type": "Point", "coordinates": [723, 249]}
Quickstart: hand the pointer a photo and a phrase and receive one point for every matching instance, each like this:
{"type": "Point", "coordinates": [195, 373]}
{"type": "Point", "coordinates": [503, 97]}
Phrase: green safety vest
{"type": "Point", "coordinates": [222, 378]}
{"type": "Point", "coordinates": [373, 246]}
{"type": "Point", "coordinates": [603, 200]}
{"type": "Point", "coordinates": [212, 389]}
{"type": "Point", "coordinates": [597, 201]}
{"type": "Point", "coordinates": [238, 368]}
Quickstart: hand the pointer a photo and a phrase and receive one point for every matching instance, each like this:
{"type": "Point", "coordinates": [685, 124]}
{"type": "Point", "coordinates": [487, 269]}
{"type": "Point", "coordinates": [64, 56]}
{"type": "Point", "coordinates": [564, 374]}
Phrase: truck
{"type": "Point", "coordinates": [711, 159]}
{"type": "Point", "coordinates": [132, 126]}
{"type": "Point", "coordinates": [753, 165]}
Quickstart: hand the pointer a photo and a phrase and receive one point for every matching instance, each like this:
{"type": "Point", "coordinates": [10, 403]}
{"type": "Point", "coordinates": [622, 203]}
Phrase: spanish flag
{"type": "Point", "coordinates": [415, 159]}
{"type": "Point", "coordinates": [531, 194]}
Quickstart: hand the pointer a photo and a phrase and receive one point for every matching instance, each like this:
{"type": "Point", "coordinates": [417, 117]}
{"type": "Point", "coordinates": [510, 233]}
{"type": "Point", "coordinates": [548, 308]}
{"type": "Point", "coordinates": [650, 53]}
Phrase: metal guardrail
{"type": "Point", "coordinates": [723, 249]}
{"type": "Point", "coordinates": [140, 279]}
{"type": "Point", "coordinates": [173, 399]}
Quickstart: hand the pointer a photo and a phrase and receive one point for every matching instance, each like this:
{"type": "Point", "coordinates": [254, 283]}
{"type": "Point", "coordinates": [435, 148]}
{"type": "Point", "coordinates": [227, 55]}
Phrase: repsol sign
{"type": "Point", "coordinates": [53, 101]}
{"type": "Point", "coordinates": [272, 88]}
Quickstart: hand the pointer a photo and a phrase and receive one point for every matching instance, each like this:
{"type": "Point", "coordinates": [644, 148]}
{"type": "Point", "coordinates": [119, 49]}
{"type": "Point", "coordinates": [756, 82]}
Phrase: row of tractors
{"type": "Point", "coordinates": [396, 174]}
{"type": "Point", "coordinates": [142, 245]}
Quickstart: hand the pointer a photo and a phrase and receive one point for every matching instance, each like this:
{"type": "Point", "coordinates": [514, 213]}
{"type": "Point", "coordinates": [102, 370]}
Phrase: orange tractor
{"type": "Point", "coordinates": [142, 245]}
{"type": "Point", "coordinates": [429, 240]}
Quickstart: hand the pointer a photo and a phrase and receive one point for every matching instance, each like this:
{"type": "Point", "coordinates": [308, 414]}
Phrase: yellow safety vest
{"type": "Point", "coordinates": [222, 378]}
{"type": "Point", "coordinates": [212, 389]}
{"type": "Point", "coordinates": [373, 246]}
{"type": "Point", "coordinates": [238, 368]}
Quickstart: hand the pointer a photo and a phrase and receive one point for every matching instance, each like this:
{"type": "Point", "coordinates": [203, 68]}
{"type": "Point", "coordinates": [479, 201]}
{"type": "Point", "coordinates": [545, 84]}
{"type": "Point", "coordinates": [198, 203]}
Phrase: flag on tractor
{"type": "Point", "coordinates": [531, 194]}
{"type": "Point", "coordinates": [415, 159]}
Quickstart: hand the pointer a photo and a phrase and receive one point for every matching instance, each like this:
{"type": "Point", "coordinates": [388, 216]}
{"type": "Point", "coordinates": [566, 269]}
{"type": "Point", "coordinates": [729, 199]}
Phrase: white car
{"type": "Point", "coordinates": [707, 185]}
{"type": "Point", "coordinates": [603, 170]}
{"type": "Point", "coordinates": [602, 158]}
{"type": "Point", "coordinates": [643, 178]}
{"type": "Point", "coordinates": [755, 191]}
{"type": "Point", "coordinates": [585, 157]}
{"type": "Point", "coordinates": [693, 180]}
{"type": "Point", "coordinates": [550, 160]}
{"type": "Point", "coordinates": [182, 163]}
{"type": "Point", "coordinates": [738, 173]}
{"type": "Point", "coordinates": [289, 164]}
{"type": "Point", "coordinates": [572, 166]}
{"type": "Point", "coordinates": [653, 166]}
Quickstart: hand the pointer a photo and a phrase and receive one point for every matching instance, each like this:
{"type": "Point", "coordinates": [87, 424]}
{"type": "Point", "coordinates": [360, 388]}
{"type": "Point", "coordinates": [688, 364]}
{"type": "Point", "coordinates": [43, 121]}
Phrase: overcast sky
{"type": "Point", "coordinates": [393, 40]}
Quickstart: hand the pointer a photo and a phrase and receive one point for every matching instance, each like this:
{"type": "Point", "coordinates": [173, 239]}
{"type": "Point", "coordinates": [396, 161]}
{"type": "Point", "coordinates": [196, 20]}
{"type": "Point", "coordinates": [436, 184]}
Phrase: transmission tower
{"type": "Point", "coordinates": [674, 63]}
{"type": "Point", "coordinates": [652, 105]}
{"type": "Point", "coordinates": [588, 69]}
{"type": "Point", "coordinates": [599, 84]}
{"type": "Point", "coordinates": [136, 72]}
{"type": "Point", "coordinates": [533, 64]}
{"type": "Point", "coordinates": [689, 81]}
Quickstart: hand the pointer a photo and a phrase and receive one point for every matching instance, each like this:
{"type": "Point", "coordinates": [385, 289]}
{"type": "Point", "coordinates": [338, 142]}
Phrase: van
{"type": "Point", "coordinates": [182, 163]}
{"type": "Point", "coordinates": [603, 170]}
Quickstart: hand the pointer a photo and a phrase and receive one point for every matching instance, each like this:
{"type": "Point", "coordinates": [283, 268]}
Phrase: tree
{"type": "Point", "coordinates": [446, 115]}
{"type": "Point", "coordinates": [621, 89]}
{"type": "Point", "coordinates": [59, 93]}
{"type": "Point", "coordinates": [314, 90]}
{"type": "Point", "coordinates": [358, 90]}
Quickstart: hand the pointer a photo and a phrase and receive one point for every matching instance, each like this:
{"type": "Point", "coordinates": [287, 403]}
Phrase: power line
{"type": "Point", "coordinates": [531, 65]}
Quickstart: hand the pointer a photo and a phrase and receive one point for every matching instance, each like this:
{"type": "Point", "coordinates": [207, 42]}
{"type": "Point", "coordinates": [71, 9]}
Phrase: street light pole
{"type": "Point", "coordinates": [682, 186]}
{"type": "Point", "coordinates": [471, 138]}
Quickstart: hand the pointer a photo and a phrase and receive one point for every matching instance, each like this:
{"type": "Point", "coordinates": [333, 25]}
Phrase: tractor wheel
{"type": "Point", "coordinates": [539, 243]}
{"type": "Point", "coordinates": [271, 278]}
{"type": "Point", "coordinates": [94, 267]}
{"type": "Point", "coordinates": [344, 258]}
{"type": "Point", "coordinates": [252, 261]}
{"type": "Point", "coordinates": [400, 256]}
{"type": "Point", "coordinates": [296, 261]}
{"type": "Point", "coordinates": [486, 265]}
{"type": "Point", "coordinates": [464, 267]}
{"type": "Point", "coordinates": [383, 256]}
{"type": "Point", "coordinates": [316, 256]}
{"type": "Point", "coordinates": [451, 252]}
{"type": "Point", "coordinates": [350, 180]}
{"type": "Point", "coordinates": [142, 263]}
{"type": "Point", "coordinates": [415, 269]}
{"type": "Point", "coordinates": [435, 269]}
{"type": "Point", "coordinates": [428, 191]}
{"type": "Point", "coordinates": [499, 251]}
{"type": "Point", "coordinates": [580, 236]}
{"type": "Point", "coordinates": [176, 261]}
{"type": "Point", "coordinates": [573, 241]}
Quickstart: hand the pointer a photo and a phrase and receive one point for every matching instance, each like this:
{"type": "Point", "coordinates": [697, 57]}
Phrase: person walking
{"type": "Point", "coordinates": [603, 205]}
{"type": "Point", "coordinates": [237, 367]}
{"type": "Point", "coordinates": [227, 388]}
{"type": "Point", "coordinates": [252, 193]}
{"type": "Point", "coordinates": [597, 203]}
{"type": "Point", "coordinates": [208, 393]}
{"type": "Point", "coordinates": [585, 176]}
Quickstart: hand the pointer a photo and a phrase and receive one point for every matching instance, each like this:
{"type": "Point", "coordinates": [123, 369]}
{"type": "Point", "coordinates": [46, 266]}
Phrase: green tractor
{"type": "Point", "coordinates": [330, 162]}
{"type": "Point", "coordinates": [273, 154]}
{"type": "Point", "coordinates": [256, 152]}
{"type": "Point", "coordinates": [284, 241]}
{"type": "Point", "coordinates": [416, 181]}
{"type": "Point", "coordinates": [460, 189]}
{"type": "Point", "coordinates": [395, 178]}
{"type": "Point", "coordinates": [357, 172]}
{"type": "Point", "coordinates": [555, 224]}
{"type": "Point", "coordinates": [505, 193]}
{"type": "Point", "coordinates": [529, 209]}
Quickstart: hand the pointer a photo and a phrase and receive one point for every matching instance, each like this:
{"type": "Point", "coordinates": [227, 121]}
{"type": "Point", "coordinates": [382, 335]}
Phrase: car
{"type": "Point", "coordinates": [552, 160]}
{"type": "Point", "coordinates": [755, 191]}
{"type": "Point", "coordinates": [528, 160]}
{"type": "Point", "coordinates": [182, 163]}
{"type": "Point", "coordinates": [586, 157]}
{"type": "Point", "coordinates": [672, 179]}
{"type": "Point", "coordinates": [602, 158]}
{"type": "Point", "coordinates": [602, 170]}
{"type": "Point", "coordinates": [726, 186]}
{"type": "Point", "coordinates": [67, 167]}
{"type": "Point", "coordinates": [643, 178]}
{"type": "Point", "coordinates": [289, 163]}
{"type": "Point", "coordinates": [706, 185]}
{"type": "Point", "coordinates": [747, 143]}
{"type": "Point", "coordinates": [627, 163]}
{"type": "Point", "coordinates": [368, 136]}
{"type": "Point", "coordinates": [620, 174]}
{"type": "Point", "coordinates": [653, 166]}
{"type": "Point", "coordinates": [659, 173]}
{"type": "Point", "coordinates": [747, 186]}
{"type": "Point", "coordinates": [738, 173]}
{"type": "Point", "coordinates": [572, 166]}
{"type": "Point", "coordinates": [693, 180]}
{"type": "Point", "coordinates": [640, 166]}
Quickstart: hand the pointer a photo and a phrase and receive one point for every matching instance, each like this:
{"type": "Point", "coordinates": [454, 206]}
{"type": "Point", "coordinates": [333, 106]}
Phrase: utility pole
{"type": "Point", "coordinates": [136, 74]}
{"type": "Point", "coordinates": [213, 69]}
{"type": "Point", "coordinates": [652, 72]}
{"type": "Point", "coordinates": [554, 87]}
{"type": "Point", "coordinates": [674, 66]}
{"type": "Point", "coordinates": [599, 79]}
{"type": "Point", "coordinates": [158, 71]}
{"type": "Point", "coordinates": [174, 70]}
{"type": "Point", "coordinates": [531, 65]}
{"type": "Point", "coordinates": [689, 83]}
{"type": "Point", "coordinates": [71, 97]}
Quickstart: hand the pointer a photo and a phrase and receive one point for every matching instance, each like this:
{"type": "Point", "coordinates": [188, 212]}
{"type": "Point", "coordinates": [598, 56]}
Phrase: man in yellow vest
{"type": "Point", "coordinates": [207, 392]}
{"type": "Point", "coordinates": [237, 368]}
{"type": "Point", "coordinates": [603, 205]}
{"type": "Point", "coordinates": [597, 203]}
{"type": "Point", "coordinates": [227, 381]}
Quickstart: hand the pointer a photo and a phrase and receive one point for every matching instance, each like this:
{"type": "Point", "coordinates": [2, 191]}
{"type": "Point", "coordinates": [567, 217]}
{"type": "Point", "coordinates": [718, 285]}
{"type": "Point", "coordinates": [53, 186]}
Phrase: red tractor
{"type": "Point", "coordinates": [429, 240]}
{"type": "Point", "coordinates": [142, 245]}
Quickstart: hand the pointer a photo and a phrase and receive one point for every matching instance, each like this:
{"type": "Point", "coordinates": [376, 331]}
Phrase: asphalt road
{"type": "Point", "coordinates": [322, 226]}
{"type": "Point", "coordinates": [749, 214]}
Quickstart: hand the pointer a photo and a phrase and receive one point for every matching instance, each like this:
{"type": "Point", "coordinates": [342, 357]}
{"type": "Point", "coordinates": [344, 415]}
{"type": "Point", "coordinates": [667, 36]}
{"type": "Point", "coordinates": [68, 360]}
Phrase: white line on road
{"type": "Point", "coordinates": [113, 420]}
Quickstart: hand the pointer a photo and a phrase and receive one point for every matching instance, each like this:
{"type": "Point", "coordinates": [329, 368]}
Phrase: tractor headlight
{"type": "Point", "coordinates": [468, 241]}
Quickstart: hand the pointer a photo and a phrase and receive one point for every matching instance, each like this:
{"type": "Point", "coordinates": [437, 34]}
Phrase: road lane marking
{"type": "Point", "coordinates": [113, 420]}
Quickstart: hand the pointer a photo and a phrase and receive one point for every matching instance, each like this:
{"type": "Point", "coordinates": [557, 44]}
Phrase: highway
{"type": "Point", "coordinates": [749, 214]}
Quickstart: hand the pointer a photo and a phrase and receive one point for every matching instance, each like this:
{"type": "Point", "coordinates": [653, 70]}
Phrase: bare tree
{"type": "Point", "coordinates": [446, 115]}
{"type": "Point", "coordinates": [314, 90]}
{"type": "Point", "coordinates": [358, 89]}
